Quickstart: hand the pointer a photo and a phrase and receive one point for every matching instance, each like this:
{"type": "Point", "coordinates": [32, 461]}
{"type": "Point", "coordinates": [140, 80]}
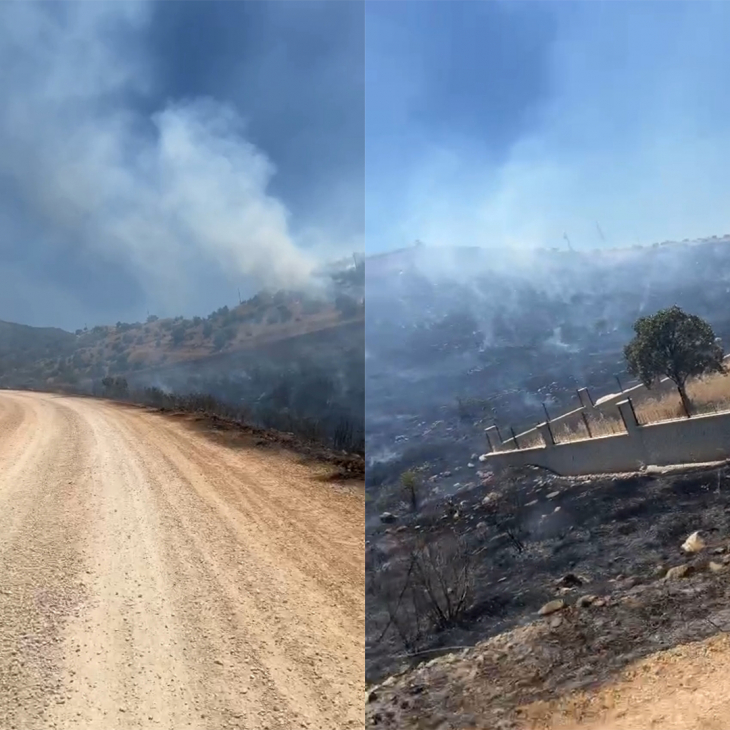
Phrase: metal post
{"type": "Point", "coordinates": [489, 441]}
{"type": "Point", "coordinates": [501, 440]}
{"type": "Point", "coordinates": [547, 421]}
{"type": "Point", "coordinates": [514, 436]}
{"type": "Point", "coordinates": [621, 387]}
{"type": "Point", "coordinates": [588, 428]}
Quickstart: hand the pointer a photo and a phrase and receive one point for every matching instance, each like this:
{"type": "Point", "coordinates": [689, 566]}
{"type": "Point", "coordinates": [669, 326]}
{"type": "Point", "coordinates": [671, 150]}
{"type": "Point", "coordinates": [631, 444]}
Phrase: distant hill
{"type": "Point", "coordinates": [38, 356]}
{"type": "Point", "coordinates": [282, 357]}
{"type": "Point", "coordinates": [25, 351]}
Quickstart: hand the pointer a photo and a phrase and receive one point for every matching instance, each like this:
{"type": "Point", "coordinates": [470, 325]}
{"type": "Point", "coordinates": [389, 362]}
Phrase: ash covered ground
{"type": "Point", "coordinates": [531, 538]}
{"type": "Point", "coordinates": [456, 340]}
{"type": "Point", "coordinates": [455, 344]}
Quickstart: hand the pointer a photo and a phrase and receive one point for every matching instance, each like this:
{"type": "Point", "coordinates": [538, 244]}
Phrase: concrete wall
{"type": "Point", "coordinates": [688, 440]}
{"type": "Point", "coordinates": [604, 407]}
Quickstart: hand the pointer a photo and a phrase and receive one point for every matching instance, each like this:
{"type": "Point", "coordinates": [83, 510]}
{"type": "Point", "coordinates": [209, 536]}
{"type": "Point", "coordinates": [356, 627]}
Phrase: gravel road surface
{"type": "Point", "coordinates": [151, 577]}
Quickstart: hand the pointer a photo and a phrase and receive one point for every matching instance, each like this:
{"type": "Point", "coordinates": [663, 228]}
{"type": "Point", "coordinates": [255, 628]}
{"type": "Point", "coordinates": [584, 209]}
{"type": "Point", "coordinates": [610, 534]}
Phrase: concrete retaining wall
{"type": "Point", "coordinates": [604, 407]}
{"type": "Point", "coordinates": [688, 440]}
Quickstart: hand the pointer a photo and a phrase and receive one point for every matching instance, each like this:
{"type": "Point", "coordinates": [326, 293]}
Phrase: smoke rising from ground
{"type": "Point", "coordinates": [626, 127]}
{"type": "Point", "coordinates": [162, 195]}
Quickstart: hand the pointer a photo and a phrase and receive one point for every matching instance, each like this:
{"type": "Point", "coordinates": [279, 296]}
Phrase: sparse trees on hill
{"type": "Point", "coordinates": [223, 337]}
{"type": "Point", "coordinates": [410, 486]}
{"type": "Point", "coordinates": [178, 335]}
{"type": "Point", "coordinates": [115, 387]}
{"type": "Point", "coordinates": [676, 345]}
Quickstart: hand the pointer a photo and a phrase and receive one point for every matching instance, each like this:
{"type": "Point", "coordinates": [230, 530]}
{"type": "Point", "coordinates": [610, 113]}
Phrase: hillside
{"type": "Point", "coordinates": [24, 348]}
{"type": "Point", "coordinates": [43, 356]}
{"type": "Point", "coordinates": [547, 588]}
{"type": "Point", "coordinates": [280, 356]}
{"type": "Point", "coordinates": [459, 339]}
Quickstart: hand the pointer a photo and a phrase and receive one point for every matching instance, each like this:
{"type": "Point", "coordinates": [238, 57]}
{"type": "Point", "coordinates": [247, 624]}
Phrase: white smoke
{"type": "Point", "coordinates": [158, 195]}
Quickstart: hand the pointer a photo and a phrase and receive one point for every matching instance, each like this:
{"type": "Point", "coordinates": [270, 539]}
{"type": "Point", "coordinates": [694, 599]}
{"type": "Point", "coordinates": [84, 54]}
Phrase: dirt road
{"type": "Point", "coordinates": [152, 578]}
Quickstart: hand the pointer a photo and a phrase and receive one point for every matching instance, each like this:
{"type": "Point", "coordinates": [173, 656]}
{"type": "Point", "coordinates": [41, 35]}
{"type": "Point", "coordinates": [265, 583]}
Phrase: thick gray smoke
{"type": "Point", "coordinates": [159, 194]}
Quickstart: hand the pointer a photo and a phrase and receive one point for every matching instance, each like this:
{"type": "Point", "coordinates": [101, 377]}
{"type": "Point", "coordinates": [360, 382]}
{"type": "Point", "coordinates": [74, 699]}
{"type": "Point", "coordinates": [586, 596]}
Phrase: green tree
{"type": "Point", "coordinates": [178, 335]}
{"type": "Point", "coordinates": [410, 486]}
{"type": "Point", "coordinates": [674, 344]}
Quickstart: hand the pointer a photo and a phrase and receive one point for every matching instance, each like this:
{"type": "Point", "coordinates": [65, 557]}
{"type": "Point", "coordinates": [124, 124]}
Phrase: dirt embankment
{"type": "Point", "coordinates": [153, 578]}
{"type": "Point", "coordinates": [618, 536]}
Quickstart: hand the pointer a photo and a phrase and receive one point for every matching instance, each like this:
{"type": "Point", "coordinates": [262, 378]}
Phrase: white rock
{"type": "Point", "coordinates": [694, 543]}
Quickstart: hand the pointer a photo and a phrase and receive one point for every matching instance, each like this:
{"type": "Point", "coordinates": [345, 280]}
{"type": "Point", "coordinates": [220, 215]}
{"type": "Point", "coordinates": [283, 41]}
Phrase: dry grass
{"type": "Point", "coordinates": [604, 426]}
{"type": "Point", "coordinates": [564, 433]}
{"type": "Point", "coordinates": [526, 440]}
{"type": "Point", "coordinates": [708, 395]}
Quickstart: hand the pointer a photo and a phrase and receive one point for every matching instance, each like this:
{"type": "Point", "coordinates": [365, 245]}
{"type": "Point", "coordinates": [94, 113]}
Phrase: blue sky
{"type": "Point", "coordinates": [157, 156]}
{"type": "Point", "coordinates": [507, 124]}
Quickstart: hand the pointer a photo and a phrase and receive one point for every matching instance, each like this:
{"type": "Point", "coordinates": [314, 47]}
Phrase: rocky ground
{"type": "Point", "coordinates": [603, 554]}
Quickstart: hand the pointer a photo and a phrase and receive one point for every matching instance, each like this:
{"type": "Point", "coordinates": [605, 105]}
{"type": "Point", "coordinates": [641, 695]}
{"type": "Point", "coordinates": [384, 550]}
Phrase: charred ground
{"type": "Point", "coordinates": [459, 340]}
{"type": "Point", "coordinates": [525, 536]}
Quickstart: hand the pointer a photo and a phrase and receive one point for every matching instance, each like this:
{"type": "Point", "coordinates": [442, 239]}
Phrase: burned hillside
{"type": "Point", "coordinates": [605, 552]}
{"type": "Point", "coordinates": [459, 340]}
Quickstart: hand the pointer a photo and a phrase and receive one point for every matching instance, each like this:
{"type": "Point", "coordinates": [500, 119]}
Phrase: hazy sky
{"type": "Point", "coordinates": [157, 156]}
{"type": "Point", "coordinates": [508, 124]}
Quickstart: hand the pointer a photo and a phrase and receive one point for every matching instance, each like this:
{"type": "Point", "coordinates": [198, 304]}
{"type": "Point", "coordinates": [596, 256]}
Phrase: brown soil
{"type": "Point", "coordinates": [346, 466]}
{"type": "Point", "coordinates": [152, 578]}
{"type": "Point", "coordinates": [685, 688]}
{"type": "Point", "coordinates": [572, 667]}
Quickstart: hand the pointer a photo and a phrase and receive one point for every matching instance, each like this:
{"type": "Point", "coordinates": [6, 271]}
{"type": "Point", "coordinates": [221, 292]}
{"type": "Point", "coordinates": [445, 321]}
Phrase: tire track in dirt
{"type": "Point", "coordinates": [43, 470]}
{"type": "Point", "coordinates": [242, 523]}
{"type": "Point", "coordinates": [198, 586]}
